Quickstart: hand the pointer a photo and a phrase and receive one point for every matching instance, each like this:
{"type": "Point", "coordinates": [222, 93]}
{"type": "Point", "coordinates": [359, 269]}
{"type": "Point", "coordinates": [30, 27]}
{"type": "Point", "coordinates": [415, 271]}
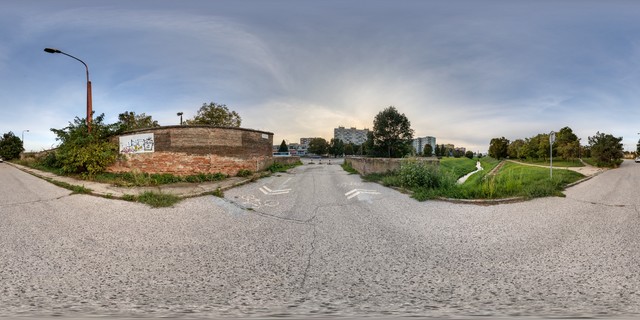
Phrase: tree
{"type": "Point", "coordinates": [10, 146]}
{"type": "Point", "coordinates": [318, 146]}
{"type": "Point", "coordinates": [567, 144]}
{"type": "Point", "coordinates": [515, 148]}
{"type": "Point", "coordinates": [336, 147]}
{"type": "Point", "coordinates": [392, 132]}
{"type": "Point", "coordinates": [427, 150]}
{"type": "Point", "coordinates": [283, 147]}
{"type": "Point", "coordinates": [129, 120]}
{"type": "Point", "coordinates": [81, 151]}
{"type": "Point", "coordinates": [498, 148]}
{"type": "Point", "coordinates": [606, 149]}
{"type": "Point", "coordinates": [349, 149]}
{"type": "Point", "coordinates": [638, 148]}
{"type": "Point", "coordinates": [216, 115]}
{"type": "Point", "coordinates": [469, 154]}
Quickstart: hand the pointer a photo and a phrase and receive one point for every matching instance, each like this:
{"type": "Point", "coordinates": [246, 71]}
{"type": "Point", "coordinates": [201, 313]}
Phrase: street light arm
{"type": "Point", "coordinates": [52, 50]}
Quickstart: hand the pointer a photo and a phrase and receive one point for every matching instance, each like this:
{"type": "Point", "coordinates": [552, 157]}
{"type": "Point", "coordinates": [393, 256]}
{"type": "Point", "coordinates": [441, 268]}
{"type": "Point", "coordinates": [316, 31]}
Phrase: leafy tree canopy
{"type": "Point", "coordinates": [10, 146]}
{"type": "Point", "coordinates": [84, 152]}
{"type": "Point", "coordinates": [129, 120]}
{"type": "Point", "coordinates": [318, 146]}
{"type": "Point", "coordinates": [216, 115]}
{"type": "Point", "coordinates": [606, 149]}
{"type": "Point", "coordinates": [392, 133]}
{"type": "Point", "coordinates": [498, 148]}
{"type": "Point", "coordinates": [283, 147]}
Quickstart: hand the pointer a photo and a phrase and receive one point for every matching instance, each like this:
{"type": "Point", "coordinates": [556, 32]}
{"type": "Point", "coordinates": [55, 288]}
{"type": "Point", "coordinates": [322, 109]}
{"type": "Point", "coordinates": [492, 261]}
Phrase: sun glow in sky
{"type": "Point", "coordinates": [462, 71]}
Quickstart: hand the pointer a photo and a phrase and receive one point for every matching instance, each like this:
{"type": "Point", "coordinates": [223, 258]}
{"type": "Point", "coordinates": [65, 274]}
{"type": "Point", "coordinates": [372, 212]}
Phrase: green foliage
{"type": "Point", "coordinates": [318, 146]}
{"type": "Point", "coordinates": [217, 193]}
{"type": "Point", "coordinates": [76, 189]}
{"type": "Point", "coordinates": [215, 115]}
{"type": "Point", "coordinates": [469, 154]}
{"type": "Point", "coordinates": [279, 167]}
{"type": "Point", "coordinates": [427, 151]}
{"type": "Point", "coordinates": [414, 174]}
{"type": "Point", "coordinates": [158, 200]}
{"type": "Point", "coordinates": [498, 148]}
{"type": "Point", "coordinates": [348, 168]}
{"type": "Point", "coordinates": [84, 152]}
{"type": "Point", "coordinates": [10, 146]}
{"type": "Point", "coordinates": [283, 147]}
{"type": "Point", "coordinates": [244, 173]}
{"type": "Point", "coordinates": [139, 179]}
{"type": "Point", "coordinates": [392, 133]}
{"type": "Point", "coordinates": [606, 149]}
{"type": "Point", "coordinates": [129, 120]}
{"type": "Point", "coordinates": [336, 147]}
{"type": "Point", "coordinates": [457, 167]}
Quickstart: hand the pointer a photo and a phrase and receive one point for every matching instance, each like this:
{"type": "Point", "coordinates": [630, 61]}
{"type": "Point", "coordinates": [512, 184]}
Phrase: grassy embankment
{"type": "Point", "coordinates": [512, 180]}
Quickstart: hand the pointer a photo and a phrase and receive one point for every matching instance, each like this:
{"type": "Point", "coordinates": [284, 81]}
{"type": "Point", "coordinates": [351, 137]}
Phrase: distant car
{"type": "Point", "coordinates": [1, 160]}
{"type": "Point", "coordinates": [637, 159]}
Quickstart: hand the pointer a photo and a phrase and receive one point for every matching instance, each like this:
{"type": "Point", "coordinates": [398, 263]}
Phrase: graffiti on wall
{"type": "Point", "coordinates": [137, 143]}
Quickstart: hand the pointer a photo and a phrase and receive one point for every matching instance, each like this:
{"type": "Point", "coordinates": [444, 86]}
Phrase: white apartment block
{"type": "Point", "coordinates": [351, 135]}
{"type": "Point", "coordinates": [419, 143]}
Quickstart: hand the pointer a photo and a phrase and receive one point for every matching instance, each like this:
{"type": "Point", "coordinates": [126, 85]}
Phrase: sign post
{"type": "Point", "coordinates": [552, 139]}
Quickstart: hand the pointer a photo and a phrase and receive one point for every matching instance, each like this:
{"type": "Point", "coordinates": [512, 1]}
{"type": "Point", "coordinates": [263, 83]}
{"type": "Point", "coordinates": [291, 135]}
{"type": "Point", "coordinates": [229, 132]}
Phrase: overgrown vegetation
{"type": "Point", "coordinates": [280, 167]}
{"type": "Point", "coordinates": [81, 151]}
{"type": "Point", "coordinates": [10, 146]}
{"type": "Point", "coordinates": [426, 181]}
{"type": "Point", "coordinates": [157, 200]}
{"type": "Point", "coordinates": [348, 168]}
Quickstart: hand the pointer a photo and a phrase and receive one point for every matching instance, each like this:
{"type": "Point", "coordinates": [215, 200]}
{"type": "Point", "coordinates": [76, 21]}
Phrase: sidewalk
{"type": "Point", "coordinates": [183, 190]}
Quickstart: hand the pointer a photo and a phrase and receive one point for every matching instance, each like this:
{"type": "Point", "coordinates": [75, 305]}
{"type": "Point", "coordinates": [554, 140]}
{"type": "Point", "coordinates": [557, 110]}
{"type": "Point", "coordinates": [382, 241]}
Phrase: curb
{"type": "Point", "coordinates": [117, 194]}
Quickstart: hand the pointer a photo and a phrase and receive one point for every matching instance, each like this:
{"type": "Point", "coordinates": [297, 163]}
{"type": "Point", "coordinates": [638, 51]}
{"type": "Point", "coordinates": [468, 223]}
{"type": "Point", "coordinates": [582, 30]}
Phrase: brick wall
{"type": "Point", "coordinates": [186, 150]}
{"type": "Point", "coordinates": [382, 165]}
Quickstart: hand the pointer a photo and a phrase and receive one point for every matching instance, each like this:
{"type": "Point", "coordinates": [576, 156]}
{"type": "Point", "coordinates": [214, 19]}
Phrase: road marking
{"type": "Point", "coordinates": [285, 183]}
{"type": "Point", "coordinates": [356, 192]}
{"type": "Point", "coordinates": [268, 191]}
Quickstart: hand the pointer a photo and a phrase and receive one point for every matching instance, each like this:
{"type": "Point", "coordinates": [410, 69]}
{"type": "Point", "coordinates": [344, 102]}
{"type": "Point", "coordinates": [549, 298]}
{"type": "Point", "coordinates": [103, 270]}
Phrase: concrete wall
{"type": "Point", "coordinates": [382, 165]}
{"type": "Point", "coordinates": [187, 150]}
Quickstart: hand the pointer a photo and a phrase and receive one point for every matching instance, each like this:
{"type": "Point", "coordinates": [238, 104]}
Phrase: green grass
{"type": "Point", "coordinates": [512, 180]}
{"type": "Point", "coordinates": [158, 200]}
{"type": "Point", "coordinates": [515, 180]}
{"type": "Point", "coordinates": [556, 162]}
{"type": "Point", "coordinates": [75, 189]}
{"type": "Point", "coordinates": [458, 166]}
{"type": "Point", "coordinates": [280, 167]}
{"type": "Point", "coordinates": [348, 168]}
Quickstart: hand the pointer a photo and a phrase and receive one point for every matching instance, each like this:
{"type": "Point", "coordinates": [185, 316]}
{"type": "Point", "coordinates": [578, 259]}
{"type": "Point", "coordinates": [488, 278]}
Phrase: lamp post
{"type": "Point", "coordinates": [180, 114]}
{"type": "Point", "coordinates": [89, 107]}
{"type": "Point", "coordinates": [23, 131]}
{"type": "Point", "coordinates": [552, 139]}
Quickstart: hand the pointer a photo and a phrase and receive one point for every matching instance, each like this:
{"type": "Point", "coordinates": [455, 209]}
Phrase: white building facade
{"type": "Point", "coordinates": [351, 135]}
{"type": "Point", "coordinates": [419, 143]}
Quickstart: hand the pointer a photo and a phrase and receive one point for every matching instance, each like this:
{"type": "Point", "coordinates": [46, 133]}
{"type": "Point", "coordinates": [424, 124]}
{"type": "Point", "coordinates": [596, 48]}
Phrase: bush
{"type": "Point", "coordinates": [422, 175]}
{"type": "Point", "coordinates": [84, 152]}
{"type": "Point", "coordinates": [244, 173]}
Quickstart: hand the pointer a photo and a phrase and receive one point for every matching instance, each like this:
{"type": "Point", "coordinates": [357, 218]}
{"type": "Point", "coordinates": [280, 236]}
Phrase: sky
{"type": "Point", "coordinates": [461, 71]}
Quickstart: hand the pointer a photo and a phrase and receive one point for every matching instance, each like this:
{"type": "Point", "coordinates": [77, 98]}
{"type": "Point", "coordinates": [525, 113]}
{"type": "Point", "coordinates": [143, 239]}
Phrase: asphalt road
{"type": "Point", "coordinates": [318, 241]}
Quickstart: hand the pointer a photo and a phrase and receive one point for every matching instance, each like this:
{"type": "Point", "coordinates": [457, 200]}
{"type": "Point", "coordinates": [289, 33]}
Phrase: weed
{"type": "Point", "coordinates": [128, 197]}
{"type": "Point", "coordinates": [244, 173]}
{"type": "Point", "coordinates": [158, 200]}
{"type": "Point", "coordinates": [348, 168]}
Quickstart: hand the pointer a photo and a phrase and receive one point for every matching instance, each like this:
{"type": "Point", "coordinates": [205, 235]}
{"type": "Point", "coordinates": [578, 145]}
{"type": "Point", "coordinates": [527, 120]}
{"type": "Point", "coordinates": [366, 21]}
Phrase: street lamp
{"type": "Point", "coordinates": [23, 131]}
{"type": "Point", "coordinates": [180, 114]}
{"type": "Point", "coordinates": [89, 108]}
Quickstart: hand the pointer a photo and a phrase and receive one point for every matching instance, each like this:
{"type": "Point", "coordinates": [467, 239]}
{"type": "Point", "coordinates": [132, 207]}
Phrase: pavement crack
{"type": "Point", "coordinates": [305, 275]}
{"type": "Point", "coordinates": [34, 201]}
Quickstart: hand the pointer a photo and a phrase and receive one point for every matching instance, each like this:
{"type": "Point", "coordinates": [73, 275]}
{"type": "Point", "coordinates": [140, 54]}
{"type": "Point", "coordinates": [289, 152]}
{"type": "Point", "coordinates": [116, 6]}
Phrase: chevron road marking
{"type": "Point", "coordinates": [356, 192]}
{"type": "Point", "coordinates": [268, 191]}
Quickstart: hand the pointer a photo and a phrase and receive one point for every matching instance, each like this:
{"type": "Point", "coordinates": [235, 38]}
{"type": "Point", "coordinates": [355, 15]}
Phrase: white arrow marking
{"type": "Point", "coordinates": [356, 192]}
{"type": "Point", "coordinates": [266, 190]}
{"type": "Point", "coordinates": [285, 183]}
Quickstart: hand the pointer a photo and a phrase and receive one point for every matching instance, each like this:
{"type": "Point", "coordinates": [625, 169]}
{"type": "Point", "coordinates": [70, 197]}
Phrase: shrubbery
{"type": "Point", "coordinates": [81, 151]}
